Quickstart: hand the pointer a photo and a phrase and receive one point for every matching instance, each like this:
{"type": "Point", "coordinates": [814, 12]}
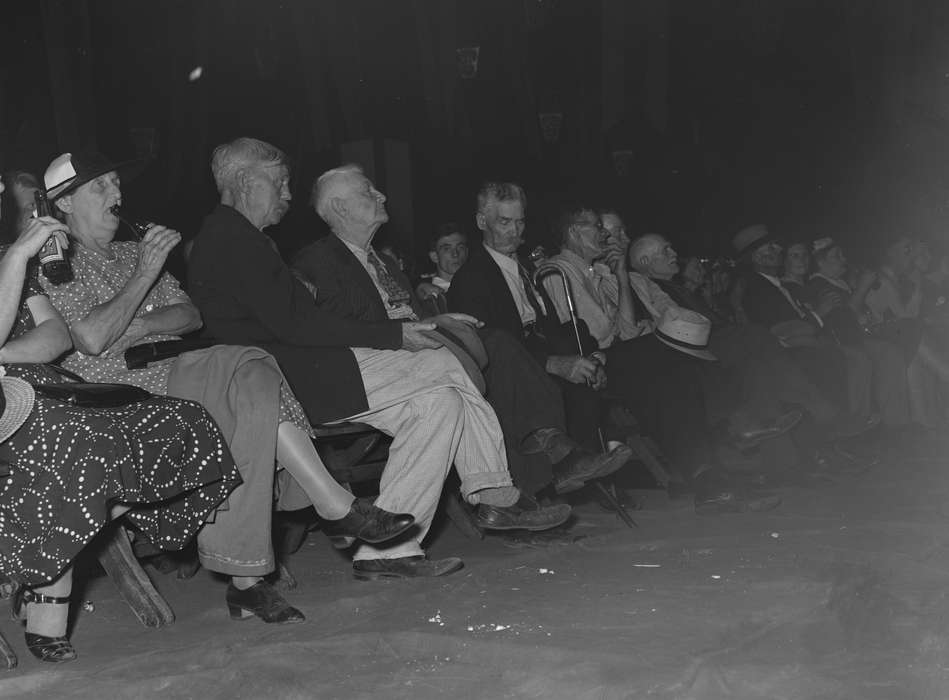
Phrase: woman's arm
{"type": "Point", "coordinates": [13, 267]}
{"type": "Point", "coordinates": [174, 319]}
{"type": "Point", "coordinates": [44, 343]}
{"type": "Point", "coordinates": [109, 321]}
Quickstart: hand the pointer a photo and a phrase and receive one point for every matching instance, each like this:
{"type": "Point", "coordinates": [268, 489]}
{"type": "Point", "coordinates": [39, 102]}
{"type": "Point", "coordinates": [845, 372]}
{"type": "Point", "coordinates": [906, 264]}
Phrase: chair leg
{"type": "Point", "coordinates": [614, 503]}
{"type": "Point", "coordinates": [646, 452]}
{"type": "Point", "coordinates": [461, 516]}
{"type": "Point", "coordinates": [7, 655]}
{"type": "Point", "coordinates": [133, 583]}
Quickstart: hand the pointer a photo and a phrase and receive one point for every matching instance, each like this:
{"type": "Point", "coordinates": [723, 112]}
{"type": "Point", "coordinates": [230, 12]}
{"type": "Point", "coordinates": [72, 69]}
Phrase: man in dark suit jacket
{"type": "Point", "coordinates": [341, 368]}
{"type": "Point", "coordinates": [350, 279]}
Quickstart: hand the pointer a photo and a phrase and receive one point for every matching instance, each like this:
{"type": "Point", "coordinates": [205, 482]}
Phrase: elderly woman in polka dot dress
{"type": "Point", "coordinates": [68, 470]}
{"type": "Point", "coordinates": [121, 297]}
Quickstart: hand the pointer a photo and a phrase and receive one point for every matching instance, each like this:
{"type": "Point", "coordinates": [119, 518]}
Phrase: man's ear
{"type": "Point", "coordinates": [64, 204]}
{"type": "Point", "coordinates": [480, 221]}
{"type": "Point", "coordinates": [338, 207]}
{"type": "Point", "coordinates": [244, 180]}
{"type": "Point", "coordinates": [433, 256]}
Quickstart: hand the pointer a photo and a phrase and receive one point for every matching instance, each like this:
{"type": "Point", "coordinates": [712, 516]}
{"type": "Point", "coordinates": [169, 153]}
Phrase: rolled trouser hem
{"type": "Point", "coordinates": [407, 549]}
{"type": "Point", "coordinates": [233, 567]}
{"type": "Point", "coordinates": [472, 483]}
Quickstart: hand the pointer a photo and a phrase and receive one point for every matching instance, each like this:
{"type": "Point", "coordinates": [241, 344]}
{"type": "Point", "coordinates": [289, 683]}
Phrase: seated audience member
{"type": "Point", "coordinates": [494, 286]}
{"type": "Point", "coordinates": [448, 251]}
{"type": "Point", "coordinates": [603, 297]}
{"type": "Point", "coordinates": [353, 281]}
{"type": "Point", "coordinates": [695, 284]}
{"type": "Point", "coordinates": [119, 298]}
{"type": "Point", "coordinates": [797, 267]}
{"type": "Point", "coordinates": [936, 274]}
{"type": "Point", "coordinates": [828, 293]}
{"type": "Point", "coordinates": [797, 270]}
{"type": "Point", "coordinates": [65, 471]}
{"type": "Point", "coordinates": [893, 304]}
{"type": "Point", "coordinates": [927, 275]}
{"type": "Point", "coordinates": [390, 374]}
{"type": "Point", "coordinates": [769, 303]}
{"type": "Point", "coordinates": [18, 202]}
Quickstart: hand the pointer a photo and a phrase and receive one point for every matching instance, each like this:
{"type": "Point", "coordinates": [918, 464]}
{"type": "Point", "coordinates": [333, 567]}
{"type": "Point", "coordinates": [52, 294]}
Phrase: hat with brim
{"type": "Point", "coordinates": [749, 239]}
{"type": "Point", "coordinates": [465, 344]}
{"type": "Point", "coordinates": [73, 170]}
{"type": "Point", "coordinates": [16, 402]}
{"type": "Point", "coordinates": [685, 331]}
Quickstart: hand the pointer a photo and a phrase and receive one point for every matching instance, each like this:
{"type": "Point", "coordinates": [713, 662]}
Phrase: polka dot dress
{"type": "Point", "coordinates": [61, 473]}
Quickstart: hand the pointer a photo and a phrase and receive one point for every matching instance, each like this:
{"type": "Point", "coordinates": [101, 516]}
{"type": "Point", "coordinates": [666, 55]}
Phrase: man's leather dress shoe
{"type": "Point", "coordinates": [261, 600]}
{"type": "Point", "coordinates": [581, 466]}
{"type": "Point", "coordinates": [729, 501]}
{"type": "Point", "coordinates": [752, 438]}
{"type": "Point", "coordinates": [404, 567]}
{"type": "Point", "coordinates": [366, 522]}
{"type": "Point", "coordinates": [535, 517]}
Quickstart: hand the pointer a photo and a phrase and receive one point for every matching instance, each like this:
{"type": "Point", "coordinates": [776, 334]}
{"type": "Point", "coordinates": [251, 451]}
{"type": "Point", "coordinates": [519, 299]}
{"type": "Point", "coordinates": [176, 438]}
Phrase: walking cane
{"type": "Point", "coordinates": [539, 274]}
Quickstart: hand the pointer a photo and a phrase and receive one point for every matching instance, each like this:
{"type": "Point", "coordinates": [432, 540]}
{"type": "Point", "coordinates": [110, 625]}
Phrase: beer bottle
{"type": "Point", "coordinates": [52, 257]}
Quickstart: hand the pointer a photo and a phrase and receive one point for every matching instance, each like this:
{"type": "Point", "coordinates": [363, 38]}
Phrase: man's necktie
{"type": "Point", "coordinates": [398, 295]}
{"type": "Point", "coordinates": [530, 292]}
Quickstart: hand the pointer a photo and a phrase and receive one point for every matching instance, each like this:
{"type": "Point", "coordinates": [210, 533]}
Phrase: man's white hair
{"type": "Point", "coordinates": [229, 159]}
{"type": "Point", "coordinates": [646, 246]}
{"type": "Point", "coordinates": [327, 186]}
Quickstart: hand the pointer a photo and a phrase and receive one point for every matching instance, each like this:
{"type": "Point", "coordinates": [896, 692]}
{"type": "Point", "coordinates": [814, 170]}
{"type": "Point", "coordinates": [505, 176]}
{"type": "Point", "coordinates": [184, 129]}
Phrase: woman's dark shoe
{"type": "Point", "coordinates": [367, 523]}
{"type": "Point", "coordinates": [55, 650]}
{"type": "Point", "coordinates": [261, 600]}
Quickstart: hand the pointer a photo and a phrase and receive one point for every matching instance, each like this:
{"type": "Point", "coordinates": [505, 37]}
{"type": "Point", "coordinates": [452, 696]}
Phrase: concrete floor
{"type": "Point", "coordinates": [841, 592]}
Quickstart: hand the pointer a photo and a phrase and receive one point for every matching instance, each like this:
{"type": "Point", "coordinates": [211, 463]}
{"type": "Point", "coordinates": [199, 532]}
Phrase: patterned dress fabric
{"type": "Point", "coordinates": [61, 473]}
{"type": "Point", "coordinates": [98, 279]}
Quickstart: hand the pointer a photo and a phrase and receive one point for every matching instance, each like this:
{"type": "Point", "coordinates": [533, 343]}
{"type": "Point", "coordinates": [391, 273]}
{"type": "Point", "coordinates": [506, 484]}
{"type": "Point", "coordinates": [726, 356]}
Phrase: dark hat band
{"type": "Point", "coordinates": [680, 343]}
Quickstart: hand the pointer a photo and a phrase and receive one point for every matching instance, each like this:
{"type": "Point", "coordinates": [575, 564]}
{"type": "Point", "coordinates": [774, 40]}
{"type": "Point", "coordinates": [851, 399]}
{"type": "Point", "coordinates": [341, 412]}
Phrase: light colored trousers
{"type": "Point", "coordinates": [425, 401]}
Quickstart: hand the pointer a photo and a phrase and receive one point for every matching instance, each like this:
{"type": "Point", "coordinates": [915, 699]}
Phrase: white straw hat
{"type": "Point", "coordinates": [16, 402]}
{"type": "Point", "coordinates": [685, 331]}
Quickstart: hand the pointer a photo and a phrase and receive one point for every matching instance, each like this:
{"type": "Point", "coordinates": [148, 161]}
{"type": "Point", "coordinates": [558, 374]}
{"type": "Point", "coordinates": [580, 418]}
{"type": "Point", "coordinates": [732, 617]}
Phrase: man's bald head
{"type": "Point", "coordinates": [652, 255]}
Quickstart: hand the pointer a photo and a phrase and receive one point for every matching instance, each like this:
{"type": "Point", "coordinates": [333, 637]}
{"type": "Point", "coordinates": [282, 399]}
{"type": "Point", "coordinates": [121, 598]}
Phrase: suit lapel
{"type": "Point", "coordinates": [363, 295]}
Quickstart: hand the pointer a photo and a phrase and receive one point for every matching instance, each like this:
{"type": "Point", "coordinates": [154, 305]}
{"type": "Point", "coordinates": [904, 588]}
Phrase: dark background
{"type": "Point", "coordinates": [818, 117]}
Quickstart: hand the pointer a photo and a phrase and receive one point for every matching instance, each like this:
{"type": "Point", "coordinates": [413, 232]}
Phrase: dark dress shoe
{"type": "Point", "coordinates": [752, 438]}
{"type": "Point", "coordinates": [729, 501]}
{"type": "Point", "coordinates": [261, 600]}
{"type": "Point", "coordinates": [517, 517]}
{"type": "Point", "coordinates": [404, 567]}
{"type": "Point", "coordinates": [581, 466]}
{"type": "Point", "coordinates": [367, 523]}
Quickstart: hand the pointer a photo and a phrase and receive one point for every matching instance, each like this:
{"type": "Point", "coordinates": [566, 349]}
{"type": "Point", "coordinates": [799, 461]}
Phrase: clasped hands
{"type": "Point", "coordinates": [577, 369]}
{"type": "Point", "coordinates": [415, 335]}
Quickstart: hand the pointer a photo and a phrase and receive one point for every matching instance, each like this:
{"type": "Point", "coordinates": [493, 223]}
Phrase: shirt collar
{"type": "Point", "coordinates": [506, 263]}
{"type": "Point", "coordinates": [772, 279]}
{"type": "Point", "coordinates": [572, 258]}
{"type": "Point", "coordinates": [361, 253]}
